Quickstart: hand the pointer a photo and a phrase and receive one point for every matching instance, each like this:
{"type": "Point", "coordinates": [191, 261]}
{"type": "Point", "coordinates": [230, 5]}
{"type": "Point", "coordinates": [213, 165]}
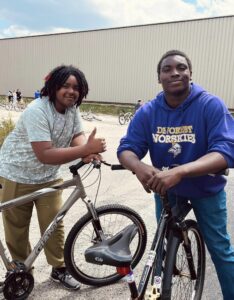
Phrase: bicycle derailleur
{"type": "Point", "coordinates": [18, 283]}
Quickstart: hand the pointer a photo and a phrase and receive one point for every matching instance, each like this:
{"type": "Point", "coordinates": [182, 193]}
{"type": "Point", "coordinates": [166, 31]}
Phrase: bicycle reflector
{"type": "Point", "coordinates": [123, 270]}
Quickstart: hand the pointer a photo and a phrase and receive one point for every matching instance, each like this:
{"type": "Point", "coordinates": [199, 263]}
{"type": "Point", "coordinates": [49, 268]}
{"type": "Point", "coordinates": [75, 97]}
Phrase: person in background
{"type": "Point", "coordinates": [14, 98]}
{"type": "Point", "coordinates": [10, 96]}
{"type": "Point", "coordinates": [37, 94]}
{"type": "Point", "coordinates": [18, 95]}
{"type": "Point", "coordinates": [49, 133]}
{"type": "Point", "coordinates": [193, 129]}
{"type": "Point", "coordinates": [138, 105]}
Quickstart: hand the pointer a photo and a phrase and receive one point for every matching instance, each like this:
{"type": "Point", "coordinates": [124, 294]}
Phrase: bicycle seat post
{"type": "Point", "coordinates": [130, 279]}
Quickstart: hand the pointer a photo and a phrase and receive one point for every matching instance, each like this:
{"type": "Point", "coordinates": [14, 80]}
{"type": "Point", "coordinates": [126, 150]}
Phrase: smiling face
{"type": "Point", "coordinates": [67, 95]}
{"type": "Point", "coordinates": [175, 76]}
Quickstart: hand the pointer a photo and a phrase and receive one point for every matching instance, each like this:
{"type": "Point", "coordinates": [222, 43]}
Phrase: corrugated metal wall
{"type": "Point", "coordinates": [120, 63]}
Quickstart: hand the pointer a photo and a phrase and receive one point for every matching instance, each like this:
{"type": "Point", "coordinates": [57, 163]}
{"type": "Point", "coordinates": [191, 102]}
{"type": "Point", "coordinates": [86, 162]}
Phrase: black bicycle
{"type": "Point", "coordinates": [176, 260]}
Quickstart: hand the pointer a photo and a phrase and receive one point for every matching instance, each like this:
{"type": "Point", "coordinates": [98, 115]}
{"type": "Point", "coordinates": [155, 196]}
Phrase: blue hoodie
{"type": "Point", "coordinates": [200, 125]}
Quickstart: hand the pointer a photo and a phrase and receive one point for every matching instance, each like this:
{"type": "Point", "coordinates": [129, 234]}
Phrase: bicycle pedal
{"type": "Point", "coordinates": [152, 293]}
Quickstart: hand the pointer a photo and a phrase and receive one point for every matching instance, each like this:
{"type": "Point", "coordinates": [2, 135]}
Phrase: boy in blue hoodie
{"type": "Point", "coordinates": [186, 126]}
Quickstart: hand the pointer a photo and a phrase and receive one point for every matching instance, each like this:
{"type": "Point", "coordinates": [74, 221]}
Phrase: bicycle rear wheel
{"type": "Point", "coordinates": [177, 282]}
{"type": "Point", "coordinates": [113, 218]}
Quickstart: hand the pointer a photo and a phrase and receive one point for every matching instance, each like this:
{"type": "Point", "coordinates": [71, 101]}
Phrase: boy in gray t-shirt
{"type": "Point", "coordinates": [48, 134]}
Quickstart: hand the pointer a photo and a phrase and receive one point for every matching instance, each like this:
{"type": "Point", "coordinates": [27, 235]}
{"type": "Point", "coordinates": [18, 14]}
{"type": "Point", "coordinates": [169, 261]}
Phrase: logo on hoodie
{"type": "Point", "coordinates": [174, 135]}
{"type": "Point", "coordinates": [175, 149]}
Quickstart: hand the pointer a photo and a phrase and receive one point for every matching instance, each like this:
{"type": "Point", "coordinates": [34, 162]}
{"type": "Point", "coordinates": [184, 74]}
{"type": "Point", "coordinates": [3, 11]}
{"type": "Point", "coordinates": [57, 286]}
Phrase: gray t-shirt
{"type": "Point", "coordinates": [39, 122]}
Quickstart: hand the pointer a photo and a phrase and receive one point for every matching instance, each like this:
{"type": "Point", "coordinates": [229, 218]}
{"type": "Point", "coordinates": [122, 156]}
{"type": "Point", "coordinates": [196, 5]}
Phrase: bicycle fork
{"type": "Point", "coordinates": [188, 250]}
{"type": "Point", "coordinates": [95, 220]}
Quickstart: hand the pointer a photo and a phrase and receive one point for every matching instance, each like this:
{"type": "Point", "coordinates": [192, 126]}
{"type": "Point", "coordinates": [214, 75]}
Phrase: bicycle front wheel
{"type": "Point", "coordinates": [177, 282]}
{"type": "Point", "coordinates": [122, 119]}
{"type": "Point", "coordinates": [113, 218]}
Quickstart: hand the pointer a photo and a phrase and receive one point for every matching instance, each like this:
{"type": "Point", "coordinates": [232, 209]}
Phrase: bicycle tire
{"type": "Point", "coordinates": [113, 218]}
{"type": "Point", "coordinates": [87, 117]}
{"type": "Point", "coordinates": [131, 115]}
{"type": "Point", "coordinates": [122, 119]}
{"type": "Point", "coordinates": [16, 107]}
{"type": "Point", "coordinates": [176, 283]}
{"type": "Point", "coordinates": [96, 118]}
{"type": "Point", "coordinates": [8, 107]}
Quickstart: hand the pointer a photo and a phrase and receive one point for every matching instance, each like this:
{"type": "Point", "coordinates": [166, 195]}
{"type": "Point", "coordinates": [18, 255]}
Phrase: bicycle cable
{"type": "Point", "coordinates": [98, 179]}
{"type": "Point", "coordinates": [98, 187]}
{"type": "Point", "coordinates": [87, 186]}
{"type": "Point", "coordinates": [86, 173]}
{"type": "Point", "coordinates": [90, 169]}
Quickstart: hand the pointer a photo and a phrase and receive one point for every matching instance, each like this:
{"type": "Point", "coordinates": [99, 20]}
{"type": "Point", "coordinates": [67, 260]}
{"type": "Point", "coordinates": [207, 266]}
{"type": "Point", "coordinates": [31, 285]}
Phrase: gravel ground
{"type": "Point", "coordinates": [117, 187]}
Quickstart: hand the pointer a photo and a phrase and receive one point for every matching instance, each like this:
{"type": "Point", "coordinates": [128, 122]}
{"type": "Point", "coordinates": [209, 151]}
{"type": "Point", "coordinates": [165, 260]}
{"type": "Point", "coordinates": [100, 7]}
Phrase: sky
{"type": "Point", "coordinates": [33, 17]}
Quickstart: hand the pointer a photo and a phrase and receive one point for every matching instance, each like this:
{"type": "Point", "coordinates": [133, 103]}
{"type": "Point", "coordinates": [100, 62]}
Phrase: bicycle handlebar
{"type": "Point", "coordinates": [73, 169]}
{"type": "Point", "coordinates": [97, 165]}
{"type": "Point", "coordinates": [224, 172]}
{"type": "Point", "coordinates": [117, 167]}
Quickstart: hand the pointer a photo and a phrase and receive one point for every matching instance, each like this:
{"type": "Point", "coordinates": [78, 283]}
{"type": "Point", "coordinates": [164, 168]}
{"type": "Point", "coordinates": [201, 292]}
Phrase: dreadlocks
{"type": "Point", "coordinates": [58, 76]}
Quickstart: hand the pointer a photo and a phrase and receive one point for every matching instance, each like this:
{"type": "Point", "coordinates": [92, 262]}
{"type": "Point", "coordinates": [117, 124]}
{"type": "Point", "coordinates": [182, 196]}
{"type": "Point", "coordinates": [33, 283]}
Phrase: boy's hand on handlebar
{"type": "Point", "coordinates": [95, 145]}
{"type": "Point", "coordinates": [92, 157]}
{"type": "Point", "coordinates": [163, 180]}
{"type": "Point", "coordinates": [144, 173]}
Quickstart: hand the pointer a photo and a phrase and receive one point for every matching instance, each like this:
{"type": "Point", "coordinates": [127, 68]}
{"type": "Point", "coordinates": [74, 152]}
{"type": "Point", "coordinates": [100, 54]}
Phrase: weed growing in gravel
{"type": "Point", "coordinates": [6, 126]}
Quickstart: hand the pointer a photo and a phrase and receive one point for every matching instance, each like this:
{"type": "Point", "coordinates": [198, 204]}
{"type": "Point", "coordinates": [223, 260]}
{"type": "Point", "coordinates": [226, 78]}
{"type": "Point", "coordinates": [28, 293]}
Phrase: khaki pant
{"type": "Point", "coordinates": [16, 221]}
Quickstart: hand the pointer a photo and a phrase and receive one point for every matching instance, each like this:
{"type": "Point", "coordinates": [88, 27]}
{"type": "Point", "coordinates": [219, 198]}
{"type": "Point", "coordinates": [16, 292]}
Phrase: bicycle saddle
{"type": "Point", "coordinates": [114, 251]}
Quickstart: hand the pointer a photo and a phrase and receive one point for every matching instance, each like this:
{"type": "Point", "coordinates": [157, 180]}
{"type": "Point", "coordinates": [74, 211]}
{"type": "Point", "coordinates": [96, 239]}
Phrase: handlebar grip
{"type": "Point", "coordinates": [117, 167]}
{"type": "Point", "coordinates": [224, 172]}
{"type": "Point", "coordinates": [80, 164]}
{"type": "Point", "coordinates": [74, 168]}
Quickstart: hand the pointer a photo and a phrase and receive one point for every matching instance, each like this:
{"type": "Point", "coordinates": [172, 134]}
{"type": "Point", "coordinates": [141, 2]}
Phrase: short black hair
{"type": "Point", "coordinates": [172, 53]}
{"type": "Point", "coordinates": [58, 76]}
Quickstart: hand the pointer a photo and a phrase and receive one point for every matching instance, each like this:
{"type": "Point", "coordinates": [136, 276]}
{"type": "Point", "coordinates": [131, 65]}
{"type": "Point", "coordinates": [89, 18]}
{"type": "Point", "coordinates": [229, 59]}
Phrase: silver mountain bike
{"type": "Point", "coordinates": [98, 224]}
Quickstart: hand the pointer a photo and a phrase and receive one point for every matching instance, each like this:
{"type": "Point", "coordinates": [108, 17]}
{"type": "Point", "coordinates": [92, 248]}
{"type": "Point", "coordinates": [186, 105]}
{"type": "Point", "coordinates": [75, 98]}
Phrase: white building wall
{"type": "Point", "coordinates": [120, 63]}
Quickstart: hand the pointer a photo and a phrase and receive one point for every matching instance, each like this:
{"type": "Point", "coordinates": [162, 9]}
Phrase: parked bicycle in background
{"type": "Point", "coordinates": [16, 106]}
{"type": "Point", "coordinates": [125, 117]}
{"type": "Point", "coordinates": [90, 116]}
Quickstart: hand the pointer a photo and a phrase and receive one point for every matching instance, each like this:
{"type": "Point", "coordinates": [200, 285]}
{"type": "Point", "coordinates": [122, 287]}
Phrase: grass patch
{"type": "Point", "coordinates": [6, 126]}
{"type": "Point", "coordinates": [107, 109]}
{"type": "Point", "coordinates": [4, 100]}
{"type": "Point", "coordinates": [99, 108]}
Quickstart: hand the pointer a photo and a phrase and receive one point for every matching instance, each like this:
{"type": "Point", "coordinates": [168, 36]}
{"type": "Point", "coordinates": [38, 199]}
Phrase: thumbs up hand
{"type": "Point", "coordinates": [96, 145]}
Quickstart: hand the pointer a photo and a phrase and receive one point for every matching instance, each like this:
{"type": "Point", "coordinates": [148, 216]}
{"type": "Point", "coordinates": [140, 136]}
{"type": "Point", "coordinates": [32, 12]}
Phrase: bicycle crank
{"type": "Point", "coordinates": [152, 293]}
{"type": "Point", "coordinates": [18, 285]}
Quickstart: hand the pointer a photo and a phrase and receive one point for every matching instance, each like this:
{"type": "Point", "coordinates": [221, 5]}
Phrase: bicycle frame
{"type": "Point", "coordinates": [155, 256]}
{"type": "Point", "coordinates": [172, 227]}
{"type": "Point", "coordinates": [77, 193]}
